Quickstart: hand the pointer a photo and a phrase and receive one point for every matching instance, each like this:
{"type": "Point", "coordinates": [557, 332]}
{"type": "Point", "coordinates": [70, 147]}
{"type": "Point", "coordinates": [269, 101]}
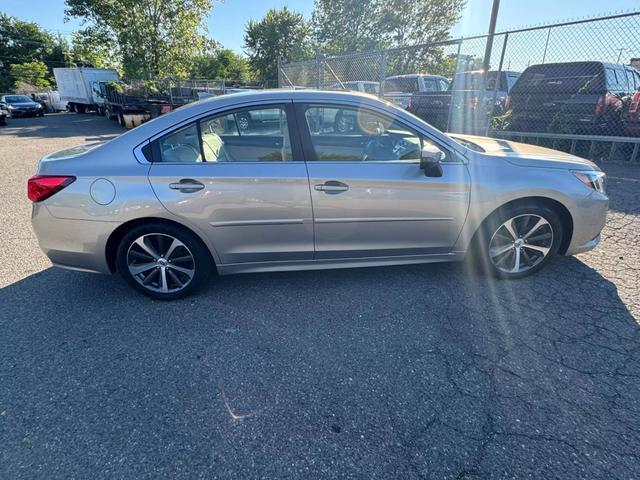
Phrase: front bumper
{"type": "Point", "coordinates": [72, 244]}
{"type": "Point", "coordinates": [589, 218]}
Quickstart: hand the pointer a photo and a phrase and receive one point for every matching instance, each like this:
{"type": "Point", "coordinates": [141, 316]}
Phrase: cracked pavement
{"type": "Point", "coordinates": [410, 372]}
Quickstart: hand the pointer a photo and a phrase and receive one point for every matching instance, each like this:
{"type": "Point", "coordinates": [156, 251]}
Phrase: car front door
{"type": "Point", "coordinates": [370, 197]}
{"type": "Point", "coordinates": [240, 177]}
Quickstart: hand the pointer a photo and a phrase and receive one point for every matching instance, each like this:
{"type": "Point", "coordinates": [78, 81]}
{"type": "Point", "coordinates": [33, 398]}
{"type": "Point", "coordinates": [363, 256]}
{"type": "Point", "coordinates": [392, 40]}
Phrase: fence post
{"type": "Point", "coordinates": [279, 66]}
{"type": "Point", "coordinates": [382, 74]}
{"type": "Point", "coordinates": [318, 71]}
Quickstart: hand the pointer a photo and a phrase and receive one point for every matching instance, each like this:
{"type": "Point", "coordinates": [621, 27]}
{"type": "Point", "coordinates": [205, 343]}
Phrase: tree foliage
{"type": "Point", "coordinates": [156, 38]}
{"type": "Point", "coordinates": [94, 47]}
{"type": "Point", "coordinates": [33, 73]}
{"type": "Point", "coordinates": [347, 26]}
{"type": "Point", "coordinates": [280, 34]}
{"type": "Point", "coordinates": [26, 42]}
{"type": "Point", "coordinates": [222, 64]}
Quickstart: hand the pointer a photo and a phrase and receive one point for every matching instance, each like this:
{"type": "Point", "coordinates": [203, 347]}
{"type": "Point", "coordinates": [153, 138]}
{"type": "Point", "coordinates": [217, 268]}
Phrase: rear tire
{"type": "Point", "coordinates": [163, 261]}
{"type": "Point", "coordinates": [121, 120]}
{"type": "Point", "coordinates": [517, 241]}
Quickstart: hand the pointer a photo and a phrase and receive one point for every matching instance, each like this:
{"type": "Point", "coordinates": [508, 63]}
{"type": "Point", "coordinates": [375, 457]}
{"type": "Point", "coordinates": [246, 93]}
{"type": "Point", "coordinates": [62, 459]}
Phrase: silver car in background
{"type": "Point", "coordinates": [198, 191]}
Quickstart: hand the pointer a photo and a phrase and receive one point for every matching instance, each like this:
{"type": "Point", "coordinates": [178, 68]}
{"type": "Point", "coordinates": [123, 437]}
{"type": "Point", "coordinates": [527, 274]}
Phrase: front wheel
{"type": "Point", "coordinates": [162, 261]}
{"type": "Point", "coordinates": [518, 241]}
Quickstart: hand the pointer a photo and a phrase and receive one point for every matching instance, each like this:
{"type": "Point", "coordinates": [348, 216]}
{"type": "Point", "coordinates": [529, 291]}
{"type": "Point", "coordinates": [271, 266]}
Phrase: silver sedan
{"type": "Point", "coordinates": [295, 180]}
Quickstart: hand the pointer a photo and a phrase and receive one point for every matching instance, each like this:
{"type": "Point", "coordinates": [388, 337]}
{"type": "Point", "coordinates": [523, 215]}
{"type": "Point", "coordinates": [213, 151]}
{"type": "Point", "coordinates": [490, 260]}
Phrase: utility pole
{"type": "Point", "coordinates": [492, 30]}
{"type": "Point", "coordinates": [486, 64]}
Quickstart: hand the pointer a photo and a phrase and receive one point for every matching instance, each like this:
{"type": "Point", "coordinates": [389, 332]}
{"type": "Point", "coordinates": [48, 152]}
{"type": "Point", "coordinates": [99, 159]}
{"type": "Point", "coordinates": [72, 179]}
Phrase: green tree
{"type": "Point", "coordinates": [33, 73]}
{"type": "Point", "coordinates": [346, 26]}
{"type": "Point", "coordinates": [156, 38]}
{"type": "Point", "coordinates": [25, 42]}
{"type": "Point", "coordinates": [280, 34]}
{"type": "Point", "coordinates": [222, 64]}
{"type": "Point", "coordinates": [93, 47]}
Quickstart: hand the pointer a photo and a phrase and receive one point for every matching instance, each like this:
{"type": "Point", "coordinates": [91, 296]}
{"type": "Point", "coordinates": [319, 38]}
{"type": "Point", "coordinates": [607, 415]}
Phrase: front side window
{"type": "Point", "coordinates": [350, 134]}
{"type": "Point", "coordinates": [248, 135]}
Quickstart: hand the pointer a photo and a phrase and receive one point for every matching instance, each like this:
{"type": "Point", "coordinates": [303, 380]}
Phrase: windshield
{"type": "Point", "coordinates": [404, 85]}
{"type": "Point", "coordinates": [17, 99]}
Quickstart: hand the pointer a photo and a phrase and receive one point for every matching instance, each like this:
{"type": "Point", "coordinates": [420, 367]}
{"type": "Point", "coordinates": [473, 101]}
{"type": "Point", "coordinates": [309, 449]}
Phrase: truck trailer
{"type": "Point", "coordinates": [80, 87]}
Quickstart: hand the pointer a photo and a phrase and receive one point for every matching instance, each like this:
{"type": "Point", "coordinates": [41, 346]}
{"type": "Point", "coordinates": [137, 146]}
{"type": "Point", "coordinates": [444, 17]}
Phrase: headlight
{"type": "Point", "coordinates": [10, 107]}
{"type": "Point", "coordinates": [592, 179]}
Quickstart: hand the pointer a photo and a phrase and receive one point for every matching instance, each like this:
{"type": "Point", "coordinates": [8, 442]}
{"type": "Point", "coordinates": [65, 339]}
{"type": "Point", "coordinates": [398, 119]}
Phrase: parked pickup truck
{"type": "Point", "coordinates": [465, 96]}
{"type": "Point", "coordinates": [586, 98]}
{"type": "Point", "coordinates": [400, 89]}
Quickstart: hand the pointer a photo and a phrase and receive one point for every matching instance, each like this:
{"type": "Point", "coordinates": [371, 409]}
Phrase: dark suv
{"type": "Point", "coordinates": [576, 97]}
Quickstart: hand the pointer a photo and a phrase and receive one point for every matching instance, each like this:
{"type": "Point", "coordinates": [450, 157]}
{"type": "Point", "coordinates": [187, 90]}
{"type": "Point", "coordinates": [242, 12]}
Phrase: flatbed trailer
{"type": "Point", "coordinates": [130, 110]}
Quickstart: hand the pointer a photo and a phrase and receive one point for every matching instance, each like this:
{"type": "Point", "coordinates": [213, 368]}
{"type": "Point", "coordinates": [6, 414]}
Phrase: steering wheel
{"type": "Point", "coordinates": [377, 145]}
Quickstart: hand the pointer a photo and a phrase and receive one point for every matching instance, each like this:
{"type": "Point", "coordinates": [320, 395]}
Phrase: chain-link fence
{"type": "Point", "coordinates": [573, 85]}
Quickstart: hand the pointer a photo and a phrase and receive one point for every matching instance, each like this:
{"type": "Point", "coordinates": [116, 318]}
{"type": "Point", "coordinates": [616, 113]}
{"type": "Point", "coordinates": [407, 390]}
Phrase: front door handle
{"type": "Point", "coordinates": [331, 187]}
{"type": "Point", "coordinates": [187, 185]}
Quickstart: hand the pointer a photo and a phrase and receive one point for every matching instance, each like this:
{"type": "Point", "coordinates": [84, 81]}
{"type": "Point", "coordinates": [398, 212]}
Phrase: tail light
{"type": "Point", "coordinates": [600, 104]}
{"type": "Point", "coordinates": [507, 102]}
{"type": "Point", "coordinates": [41, 187]}
{"type": "Point", "coordinates": [635, 103]}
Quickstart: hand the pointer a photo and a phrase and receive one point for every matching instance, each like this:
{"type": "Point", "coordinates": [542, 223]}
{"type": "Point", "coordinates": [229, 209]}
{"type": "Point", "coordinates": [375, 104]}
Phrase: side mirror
{"type": "Point", "coordinates": [430, 158]}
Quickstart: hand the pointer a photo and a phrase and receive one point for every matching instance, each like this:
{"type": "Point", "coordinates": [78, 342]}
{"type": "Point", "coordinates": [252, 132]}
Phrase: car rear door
{"type": "Point", "coordinates": [370, 197]}
{"type": "Point", "coordinates": [246, 188]}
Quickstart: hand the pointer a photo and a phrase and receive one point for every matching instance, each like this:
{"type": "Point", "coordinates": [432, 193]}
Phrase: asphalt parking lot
{"type": "Point", "coordinates": [412, 372]}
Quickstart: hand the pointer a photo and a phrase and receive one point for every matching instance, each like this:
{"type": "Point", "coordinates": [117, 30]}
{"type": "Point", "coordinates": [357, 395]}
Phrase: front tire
{"type": "Point", "coordinates": [518, 241]}
{"type": "Point", "coordinates": [163, 261]}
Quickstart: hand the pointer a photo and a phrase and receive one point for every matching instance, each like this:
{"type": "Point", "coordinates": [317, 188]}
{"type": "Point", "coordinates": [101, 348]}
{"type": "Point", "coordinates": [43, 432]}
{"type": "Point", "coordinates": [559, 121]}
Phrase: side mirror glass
{"type": "Point", "coordinates": [430, 158]}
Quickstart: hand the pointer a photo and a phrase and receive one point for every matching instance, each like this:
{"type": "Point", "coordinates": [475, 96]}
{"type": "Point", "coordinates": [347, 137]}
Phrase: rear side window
{"type": "Point", "coordinates": [180, 146]}
{"type": "Point", "coordinates": [566, 78]}
{"type": "Point", "coordinates": [248, 135]}
{"type": "Point", "coordinates": [402, 85]}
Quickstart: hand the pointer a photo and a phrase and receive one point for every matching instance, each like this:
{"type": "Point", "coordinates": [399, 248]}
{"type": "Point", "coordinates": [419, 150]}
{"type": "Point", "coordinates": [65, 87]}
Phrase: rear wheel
{"type": "Point", "coordinates": [163, 261]}
{"type": "Point", "coordinates": [121, 120]}
{"type": "Point", "coordinates": [518, 241]}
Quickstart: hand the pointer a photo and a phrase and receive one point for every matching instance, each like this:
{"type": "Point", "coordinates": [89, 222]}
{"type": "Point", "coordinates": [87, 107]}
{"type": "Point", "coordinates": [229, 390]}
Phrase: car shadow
{"type": "Point", "coordinates": [57, 125]}
{"type": "Point", "coordinates": [416, 371]}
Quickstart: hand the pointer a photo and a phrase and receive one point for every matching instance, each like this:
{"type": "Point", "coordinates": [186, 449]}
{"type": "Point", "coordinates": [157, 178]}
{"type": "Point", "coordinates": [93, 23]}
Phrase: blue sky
{"type": "Point", "coordinates": [227, 20]}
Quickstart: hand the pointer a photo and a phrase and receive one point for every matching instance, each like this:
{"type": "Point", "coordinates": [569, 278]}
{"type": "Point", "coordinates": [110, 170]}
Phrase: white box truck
{"type": "Point", "coordinates": [80, 87]}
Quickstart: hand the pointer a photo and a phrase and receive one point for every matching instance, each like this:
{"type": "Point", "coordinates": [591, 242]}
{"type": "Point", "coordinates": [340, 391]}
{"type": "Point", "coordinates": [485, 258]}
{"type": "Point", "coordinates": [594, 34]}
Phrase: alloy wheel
{"type": "Point", "coordinates": [521, 243]}
{"type": "Point", "coordinates": [160, 263]}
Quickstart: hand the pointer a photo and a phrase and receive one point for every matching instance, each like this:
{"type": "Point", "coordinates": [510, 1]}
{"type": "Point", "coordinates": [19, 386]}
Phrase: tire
{"type": "Point", "coordinates": [72, 107]}
{"type": "Point", "coordinates": [81, 108]}
{"type": "Point", "coordinates": [108, 114]}
{"type": "Point", "coordinates": [518, 241]}
{"type": "Point", "coordinates": [153, 264]}
{"type": "Point", "coordinates": [41, 114]}
{"type": "Point", "coordinates": [121, 120]}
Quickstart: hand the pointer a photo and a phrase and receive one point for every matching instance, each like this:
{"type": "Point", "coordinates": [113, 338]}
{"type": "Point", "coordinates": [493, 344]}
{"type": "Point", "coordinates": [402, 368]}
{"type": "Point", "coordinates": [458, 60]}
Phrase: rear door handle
{"type": "Point", "coordinates": [331, 187]}
{"type": "Point", "coordinates": [187, 185]}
